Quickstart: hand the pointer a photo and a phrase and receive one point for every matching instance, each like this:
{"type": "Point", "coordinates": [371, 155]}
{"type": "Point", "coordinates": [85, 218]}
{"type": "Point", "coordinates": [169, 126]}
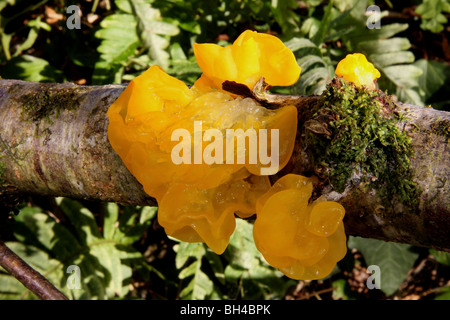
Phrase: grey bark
{"type": "Point", "coordinates": [53, 142]}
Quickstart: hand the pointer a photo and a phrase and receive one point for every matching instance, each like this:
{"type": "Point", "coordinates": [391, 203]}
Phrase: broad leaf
{"type": "Point", "coordinates": [435, 83]}
{"type": "Point", "coordinates": [394, 260]}
{"type": "Point", "coordinates": [441, 257]}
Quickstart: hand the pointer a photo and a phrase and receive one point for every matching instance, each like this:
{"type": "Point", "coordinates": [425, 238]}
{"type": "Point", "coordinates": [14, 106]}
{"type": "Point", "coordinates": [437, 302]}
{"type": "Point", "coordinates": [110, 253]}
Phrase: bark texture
{"type": "Point", "coordinates": [53, 141]}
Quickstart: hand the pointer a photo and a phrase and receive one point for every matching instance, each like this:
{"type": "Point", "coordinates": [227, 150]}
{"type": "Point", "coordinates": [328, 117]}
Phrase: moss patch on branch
{"type": "Point", "coordinates": [442, 128]}
{"type": "Point", "coordinates": [40, 104]}
{"type": "Point", "coordinates": [353, 138]}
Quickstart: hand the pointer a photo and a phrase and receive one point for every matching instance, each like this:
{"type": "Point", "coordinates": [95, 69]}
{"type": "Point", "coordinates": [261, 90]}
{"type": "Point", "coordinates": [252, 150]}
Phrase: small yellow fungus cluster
{"type": "Point", "coordinates": [172, 138]}
{"type": "Point", "coordinates": [355, 68]}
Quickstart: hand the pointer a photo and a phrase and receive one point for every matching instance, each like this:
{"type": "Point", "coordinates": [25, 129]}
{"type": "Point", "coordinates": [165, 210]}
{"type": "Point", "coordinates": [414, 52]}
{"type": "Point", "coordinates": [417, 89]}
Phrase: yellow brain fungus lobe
{"type": "Point", "coordinates": [253, 55]}
{"type": "Point", "coordinates": [207, 215]}
{"type": "Point", "coordinates": [355, 68]}
{"type": "Point", "coordinates": [304, 240]}
{"type": "Point", "coordinates": [202, 154]}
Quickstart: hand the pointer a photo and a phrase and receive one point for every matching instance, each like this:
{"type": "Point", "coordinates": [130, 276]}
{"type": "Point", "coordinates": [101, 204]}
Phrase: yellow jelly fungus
{"type": "Point", "coordinates": [355, 68]}
{"type": "Point", "coordinates": [304, 240]}
{"type": "Point", "coordinates": [176, 141]}
{"type": "Point", "coordinates": [204, 155]}
{"type": "Point", "coordinates": [253, 55]}
{"type": "Point", "coordinates": [207, 215]}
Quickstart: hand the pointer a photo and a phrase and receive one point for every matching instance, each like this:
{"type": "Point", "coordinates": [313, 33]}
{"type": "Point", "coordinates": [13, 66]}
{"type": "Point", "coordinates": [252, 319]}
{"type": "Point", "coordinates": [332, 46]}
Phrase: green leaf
{"type": "Point", "coordinates": [314, 81]}
{"type": "Point", "coordinates": [119, 41]}
{"type": "Point", "coordinates": [310, 60]}
{"type": "Point", "coordinates": [387, 59]}
{"type": "Point", "coordinates": [190, 270]}
{"type": "Point", "coordinates": [404, 76]}
{"type": "Point", "coordinates": [441, 256]}
{"type": "Point", "coordinates": [124, 5]}
{"type": "Point", "coordinates": [4, 3]}
{"type": "Point", "coordinates": [82, 219]}
{"type": "Point", "coordinates": [110, 220]}
{"type": "Point", "coordinates": [385, 32]}
{"type": "Point", "coordinates": [444, 294]}
{"type": "Point", "coordinates": [11, 288]}
{"type": "Point", "coordinates": [119, 37]}
{"type": "Point", "coordinates": [42, 231]}
{"type": "Point", "coordinates": [28, 43]}
{"type": "Point", "coordinates": [410, 96]}
{"type": "Point", "coordinates": [431, 14]}
{"type": "Point", "coordinates": [295, 44]}
{"type": "Point", "coordinates": [342, 291]}
{"type": "Point", "coordinates": [243, 238]}
{"type": "Point", "coordinates": [394, 260]}
{"type": "Point", "coordinates": [157, 46]}
{"type": "Point", "coordinates": [435, 82]}
{"type": "Point", "coordinates": [381, 46]}
{"type": "Point", "coordinates": [315, 71]}
{"type": "Point", "coordinates": [247, 263]}
{"type": "Point", "coordinates": [283, 11]}
{"type": "Point", "coordinates": [30, 68]}
{"type": "Point", "coordinates": [147, 214]}
{"type": "Point", "coordinates": [135, 231]}
{"type": "Point", "coordinates": [154, 32]}
{"type": "Point", "coordinates": [200, 286]}
{"type": "Point", "coordinates": [187, 250]}
{"type": "Point", "coordinates": [216, 265]}
{"type": "Point", "coordinates": [324, 25]}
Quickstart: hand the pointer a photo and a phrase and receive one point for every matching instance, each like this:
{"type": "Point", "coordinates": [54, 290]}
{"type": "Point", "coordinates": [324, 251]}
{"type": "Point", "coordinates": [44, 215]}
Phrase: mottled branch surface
{"type": "Point", "coordinates": [53, 141]}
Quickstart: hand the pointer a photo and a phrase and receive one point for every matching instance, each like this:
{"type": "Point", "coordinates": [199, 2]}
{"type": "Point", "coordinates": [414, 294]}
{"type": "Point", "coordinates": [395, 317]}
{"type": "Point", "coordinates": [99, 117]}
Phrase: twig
{"type": "Point", "coordinates": [29, 277]}
{"type": "Point", "coordinates": [266, 99]}
{"type": "Point", "coordinates": [316, 294]}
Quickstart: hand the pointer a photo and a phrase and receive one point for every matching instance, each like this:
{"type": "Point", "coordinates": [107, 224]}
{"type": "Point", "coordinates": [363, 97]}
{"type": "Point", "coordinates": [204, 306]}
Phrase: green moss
{"type": "Point", "coordinates": [11, 151]}
{"type": "Point", "coordinates": [362, 142]}
{"type": "Point", "coordinates": [2, 175]}
{"type": "Point", "coordinates": [40, 104]}
{"type": "Point", "coordinates": [441, 128]}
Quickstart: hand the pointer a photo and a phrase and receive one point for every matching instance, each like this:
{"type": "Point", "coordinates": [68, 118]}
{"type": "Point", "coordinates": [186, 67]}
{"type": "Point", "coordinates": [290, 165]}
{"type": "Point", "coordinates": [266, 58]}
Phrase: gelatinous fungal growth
{"type": "Point", "coordinates": [355, 68]}
{"type": "Point", "coordinates": [304, 240]}
{"type": "Point", "coordinates": [205, 154]}
{"type": "Point", "coordinates": [253, 55]}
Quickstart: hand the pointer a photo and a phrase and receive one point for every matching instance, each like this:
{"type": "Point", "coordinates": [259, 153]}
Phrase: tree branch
{"type": "Point", "coordinates": [53, 141]}
{"type": "Point", "coordinates": [29, 277]}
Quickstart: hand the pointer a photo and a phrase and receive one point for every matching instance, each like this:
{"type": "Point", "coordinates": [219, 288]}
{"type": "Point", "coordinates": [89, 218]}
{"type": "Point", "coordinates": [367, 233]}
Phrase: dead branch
{"type": "Point", "coordinates": [53, 141]}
